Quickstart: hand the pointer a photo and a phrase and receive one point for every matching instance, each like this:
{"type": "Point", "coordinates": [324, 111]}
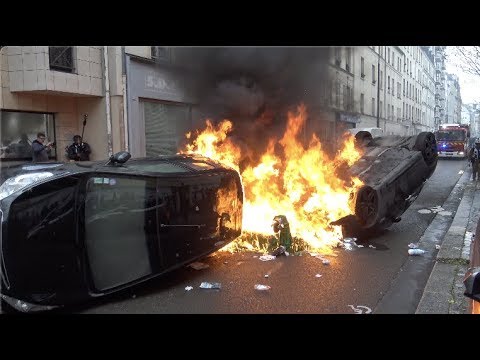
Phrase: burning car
{"type": "Point", "coordinates": [71, 232]}
{"type": "Point", "coordinates": [393, 170]}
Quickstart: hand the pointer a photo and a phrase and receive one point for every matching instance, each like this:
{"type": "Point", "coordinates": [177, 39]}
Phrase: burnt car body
{"type": "Point", "coordinates": [394, 170]}
{"type": "Point", "coordinates": [78, 231]}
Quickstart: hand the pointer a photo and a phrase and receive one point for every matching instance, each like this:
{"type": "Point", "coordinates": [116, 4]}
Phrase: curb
{"type": "Point", "coordinates": [443, 293]}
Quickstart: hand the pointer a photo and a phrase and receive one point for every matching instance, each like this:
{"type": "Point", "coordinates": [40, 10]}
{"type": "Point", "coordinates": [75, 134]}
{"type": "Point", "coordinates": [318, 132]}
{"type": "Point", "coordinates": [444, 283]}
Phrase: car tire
{"type": "Point", "coordinates": [366, 206]}
{"type": "Point", "coordinates": [363, 138]}
{"type": "Point", "coordinates": [427, 145]}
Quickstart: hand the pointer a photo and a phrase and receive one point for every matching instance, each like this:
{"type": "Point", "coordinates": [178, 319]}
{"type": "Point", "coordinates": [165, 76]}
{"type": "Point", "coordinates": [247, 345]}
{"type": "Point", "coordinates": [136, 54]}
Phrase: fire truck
{"type": "Point", "coordinates": [453, 140]}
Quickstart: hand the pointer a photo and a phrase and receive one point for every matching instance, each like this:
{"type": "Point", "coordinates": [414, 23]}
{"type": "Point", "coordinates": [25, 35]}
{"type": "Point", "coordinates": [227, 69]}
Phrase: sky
{"type": "Point", "coordinates": [469, 84]}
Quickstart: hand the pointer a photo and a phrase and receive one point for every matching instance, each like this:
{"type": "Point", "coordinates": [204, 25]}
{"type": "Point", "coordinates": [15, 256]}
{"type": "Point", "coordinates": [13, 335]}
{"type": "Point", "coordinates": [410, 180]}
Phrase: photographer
{"type": "Point", "coordinates": [78, 151]}
{"type": "Point", "coordinates": [40, 151]}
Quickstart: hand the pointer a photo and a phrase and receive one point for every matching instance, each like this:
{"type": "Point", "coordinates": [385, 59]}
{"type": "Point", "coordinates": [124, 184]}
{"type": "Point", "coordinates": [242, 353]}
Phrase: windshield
{"type": "Point", "coordinates": [458, 135]}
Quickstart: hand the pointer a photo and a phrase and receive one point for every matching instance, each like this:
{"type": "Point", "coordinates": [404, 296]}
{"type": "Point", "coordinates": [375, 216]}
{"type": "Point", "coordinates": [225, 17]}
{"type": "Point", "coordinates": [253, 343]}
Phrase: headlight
{"type": "Point", "coordinates": [19, 182]}
{"type": "Point", "coordinates": [461, 153]}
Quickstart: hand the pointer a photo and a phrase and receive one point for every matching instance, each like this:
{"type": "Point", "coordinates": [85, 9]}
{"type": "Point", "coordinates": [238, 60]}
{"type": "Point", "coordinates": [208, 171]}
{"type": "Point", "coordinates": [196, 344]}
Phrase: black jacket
{"type": "Point", "coordinates": [40, 152]}
{"type": "Point", "coordinates": [79, 152]}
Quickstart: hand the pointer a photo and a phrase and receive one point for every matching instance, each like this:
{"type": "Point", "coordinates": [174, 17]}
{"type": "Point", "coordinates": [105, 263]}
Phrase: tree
{"type": "Point", "coordinates": [467, 58]}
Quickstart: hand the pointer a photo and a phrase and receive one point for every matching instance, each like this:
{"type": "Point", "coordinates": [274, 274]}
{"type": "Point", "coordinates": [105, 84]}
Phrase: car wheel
{"type": "Point", "coordinates": [427, 145]}
{"type": "Point", "coordinates": [363, 138]}
{"type": "Point", "coordinates": [366, 206]}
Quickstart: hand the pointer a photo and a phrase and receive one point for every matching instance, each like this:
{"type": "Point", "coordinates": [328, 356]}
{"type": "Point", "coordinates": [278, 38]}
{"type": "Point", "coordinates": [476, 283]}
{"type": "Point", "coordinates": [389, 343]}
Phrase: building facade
{"type": "Point", "coordinates": [50, 90]}
{"type": "Point", "coordinates": [453, 100]}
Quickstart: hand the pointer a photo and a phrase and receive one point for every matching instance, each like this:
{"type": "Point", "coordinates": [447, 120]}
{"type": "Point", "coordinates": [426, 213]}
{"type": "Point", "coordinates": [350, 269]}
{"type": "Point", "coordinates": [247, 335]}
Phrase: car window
{"type": "Point", "coordinates": [158, 167]}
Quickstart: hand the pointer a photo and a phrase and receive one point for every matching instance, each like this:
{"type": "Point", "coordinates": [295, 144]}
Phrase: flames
{"type": "Point", "coordinates": [302, 182]}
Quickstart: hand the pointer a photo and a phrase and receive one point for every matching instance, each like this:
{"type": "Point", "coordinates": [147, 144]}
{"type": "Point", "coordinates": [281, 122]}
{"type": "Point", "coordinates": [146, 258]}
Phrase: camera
{"type": "Point", "coordinates": [53, 144]}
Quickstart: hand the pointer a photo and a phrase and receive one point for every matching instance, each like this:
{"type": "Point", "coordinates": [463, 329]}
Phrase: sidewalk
{"type": "Point", "coordinates": [443, 293]}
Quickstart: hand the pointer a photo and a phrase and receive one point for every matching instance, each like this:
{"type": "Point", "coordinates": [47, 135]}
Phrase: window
{"type": "Point", "coordinates": [61, 58]}
{"type": "Point", "coordinates": [381, 109]}
{"type": "Point", "coordinates": [337, 93]}
{"type": "Point", "coordinates": [348, 57]}
{"type": "Point", "coordinates": [381, 79]}
{"type": "Point", "coordinates": [399, 90]}
{"type": "Point", "coordinates": [388, 84]}
{"type": "Point", "coordinates": [403, 87]}
{"type": "Point", "coordinates": [373, 74]}
{"type": "Point", "coordinates": [381, 51]}
{"type": "Point", "coordinates": [393, 112]}
{"type": "Point", "coordinates": [362, 101]}
{"type": "Point", "coordinates": [373, 106]}
{"type": "Point", "coordinates": [161, 53]}
{"type": "Point", "coordinates": [338, 56]}
{"type": "Point", "coordinates": [362, 67]}
{"type": "Point", "coordinates": [388, 56]}
{"type": "Point", "coordinates": [388, 111]}
{"type": "Point", "coordinates": [19, 130]}
{"type": "Point", "coordinates": [393, 86]}
{"type": "Point", "coordinates": [393, 58]}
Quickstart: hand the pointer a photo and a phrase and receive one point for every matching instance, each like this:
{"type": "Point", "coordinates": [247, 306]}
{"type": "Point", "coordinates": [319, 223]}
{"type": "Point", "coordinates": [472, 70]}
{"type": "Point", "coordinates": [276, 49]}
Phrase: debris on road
{"type": "Point", "coordinates": [424, 211]}
{"type": "Point", "coordinates": [225, 262]}
{"type": "Point", "coordinates": [360, 246]}
{"type": "Point", "coordinates": [325, 262]}
{"type": "Point", "coordinates": [460, 172]}
{"type": "Point", "coordinates": [266, 276]}
{"type": "Point", "coordinates": [207, 285]}
{"type": "Point", "coordinates": [198, 265]}
{"type": "Point", "coordinates": [445, 213]}
{"type": "Point", "coordinates": [262, 287]}
{"type": "Point", "coordinates": [267, 257]}
{"type": "Point", "coordinates": [279, 251]}
{"type": "Point", "coordinates": [255, 256]}
{"type": "Point", "coordinates": [134, 296]}
{"type": "Point", "coordinates": [188, 288]}
{"type": "Point", "coordinates": [358, 309]}
{"type": "Point", "coordinates": [413, 246]}
{"type": "Point", "coordinates": [372, 247]}
{"type": "Point", "coordinates": [416, 251]}
{"type": "Point", "coordinates": [318, 275]}
{"type": "Point", "coordinates": [437, 247]}
{"type": "Point", "coordinates": [436, 209]}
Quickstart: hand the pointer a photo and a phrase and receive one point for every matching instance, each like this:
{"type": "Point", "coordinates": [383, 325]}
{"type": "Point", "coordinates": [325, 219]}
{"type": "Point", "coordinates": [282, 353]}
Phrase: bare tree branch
{"type": "Point", "coordinates": [467, 58]}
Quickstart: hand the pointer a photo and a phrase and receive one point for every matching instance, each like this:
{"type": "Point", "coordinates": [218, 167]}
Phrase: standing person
{"type": "Point", "coordinates": [474, 157]}
{"type": "Point", "coordinates": [40, 151]}
{"type": "Point", "coordinates": [79, 150]}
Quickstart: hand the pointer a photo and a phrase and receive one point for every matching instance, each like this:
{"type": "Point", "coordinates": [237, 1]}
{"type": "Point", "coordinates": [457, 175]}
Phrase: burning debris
{"type": "Point", "coordinates": [301, 182]}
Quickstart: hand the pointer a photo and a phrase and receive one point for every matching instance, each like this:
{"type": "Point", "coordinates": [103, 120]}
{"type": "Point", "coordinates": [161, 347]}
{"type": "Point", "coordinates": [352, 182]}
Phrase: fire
{"type": "Point", "coordinates": [303, 183]}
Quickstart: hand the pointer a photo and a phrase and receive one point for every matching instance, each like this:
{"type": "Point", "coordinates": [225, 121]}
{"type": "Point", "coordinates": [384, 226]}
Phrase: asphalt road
{"type": "Point", "coordinates": [355, 281]}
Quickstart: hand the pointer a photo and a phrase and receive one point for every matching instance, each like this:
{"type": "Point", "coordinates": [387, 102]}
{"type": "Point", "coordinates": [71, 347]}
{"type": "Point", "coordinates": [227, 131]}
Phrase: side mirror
{"type": "Point", "coordinates": [119, 158]}
{"type": "Point", "coordinates": [472, 283]}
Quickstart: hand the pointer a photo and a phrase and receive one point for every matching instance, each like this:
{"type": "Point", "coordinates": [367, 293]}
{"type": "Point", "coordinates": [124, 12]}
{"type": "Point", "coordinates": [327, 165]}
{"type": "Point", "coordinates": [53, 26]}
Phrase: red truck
{"type": "Point", "coordinates": [453, 140]}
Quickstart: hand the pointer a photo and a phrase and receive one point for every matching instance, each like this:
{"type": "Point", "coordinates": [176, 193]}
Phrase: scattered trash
{"type": "Point", "coordinates": [412, 246]}
{"type": "Point", "coordinates": [279, 251]}
{"type": "Point", "coordinates": [207, 285]}
{"type": "Point", "coordinates": [314, 254]}
{"type": "Point", "coordinates": [347, 240]}
{"type": "Point", "coordinates": [188, 288]}
{"type": "Point", "coordinates": [436, 209]}
{"type": "Point", "coordinates": [348, 246]}
{"type": "Point", "coordinates": [255, 256]}
{"type": "Point", "coordinates": [198, 265]}
{"type": "Point", "coordinates": [360, 246]}
{"type": "Point", "coordinates": [358, 309]}
{"type": "Point", "coordinates": [267, 257]}
{"type": "Point", "coordinates": [372, 247]}
{"type": "Point", "coordinates": [460, 172]}
{"type": "Point", "coordinates": [262, 287]}
{"type": "Point", "coordinates": [225, 262]}
{"type": "Point", "coordinates": [416, 252]}
{"type": "Point", "coordinates": [266, 275]}
{"type": "Point", "coordinates": [437, 247]}
{"type": "Point", "coordinates": [287, 253]}
{"type": "Point", "coordinates": [134, 296]}
{"type": "Point", "coordinates": [445, 213]}
{"type": "Point", "coordinates": [424, 211]}
{"type": "Point", "coordinates": [219, 243]}
{"type": "Point", "coordinates": [318, 275]}
{"type": "Point", "coordinates": [325, 262]}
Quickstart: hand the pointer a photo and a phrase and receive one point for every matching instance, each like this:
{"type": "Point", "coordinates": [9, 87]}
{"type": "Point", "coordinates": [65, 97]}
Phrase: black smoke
{"type": "Point", "coordinates": [255, 87]}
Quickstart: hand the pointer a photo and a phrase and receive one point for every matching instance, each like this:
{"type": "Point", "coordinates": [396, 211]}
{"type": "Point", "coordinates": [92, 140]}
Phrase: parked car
{"type": "Point", "coordinates": [393, 170]}
{"type": "Point", "coordinates": [71, 232]}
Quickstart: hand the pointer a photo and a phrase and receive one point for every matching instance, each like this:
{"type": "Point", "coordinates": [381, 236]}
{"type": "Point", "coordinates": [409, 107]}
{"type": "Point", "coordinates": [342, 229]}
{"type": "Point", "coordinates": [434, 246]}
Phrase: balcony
{"type": "Point", "coordinates": [74, 71]}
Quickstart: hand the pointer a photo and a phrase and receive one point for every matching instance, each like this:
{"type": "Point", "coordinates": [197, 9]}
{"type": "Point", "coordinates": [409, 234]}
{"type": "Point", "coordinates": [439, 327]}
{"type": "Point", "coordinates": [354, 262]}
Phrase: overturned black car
{"type": "Point", "coordinates": [76, 231]}
{"type": "Point", "coordinates": [393, 170]}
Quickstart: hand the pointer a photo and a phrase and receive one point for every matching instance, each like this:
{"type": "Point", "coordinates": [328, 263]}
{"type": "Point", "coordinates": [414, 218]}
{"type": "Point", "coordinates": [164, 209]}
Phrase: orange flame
{"type": "Point", "coordinates": [303, 184]}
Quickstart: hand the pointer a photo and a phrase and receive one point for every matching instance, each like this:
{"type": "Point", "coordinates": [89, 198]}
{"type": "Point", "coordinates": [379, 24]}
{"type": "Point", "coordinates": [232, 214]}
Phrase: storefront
{"type": "Point", "coordinates": [19, 129]}
{"type": "Point", "coordinates": [160, 107]}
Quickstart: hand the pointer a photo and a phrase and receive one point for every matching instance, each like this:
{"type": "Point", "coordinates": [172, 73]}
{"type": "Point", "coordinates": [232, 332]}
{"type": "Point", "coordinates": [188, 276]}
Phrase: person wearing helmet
{"type": "Point", "coordinates": [474, 157]}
